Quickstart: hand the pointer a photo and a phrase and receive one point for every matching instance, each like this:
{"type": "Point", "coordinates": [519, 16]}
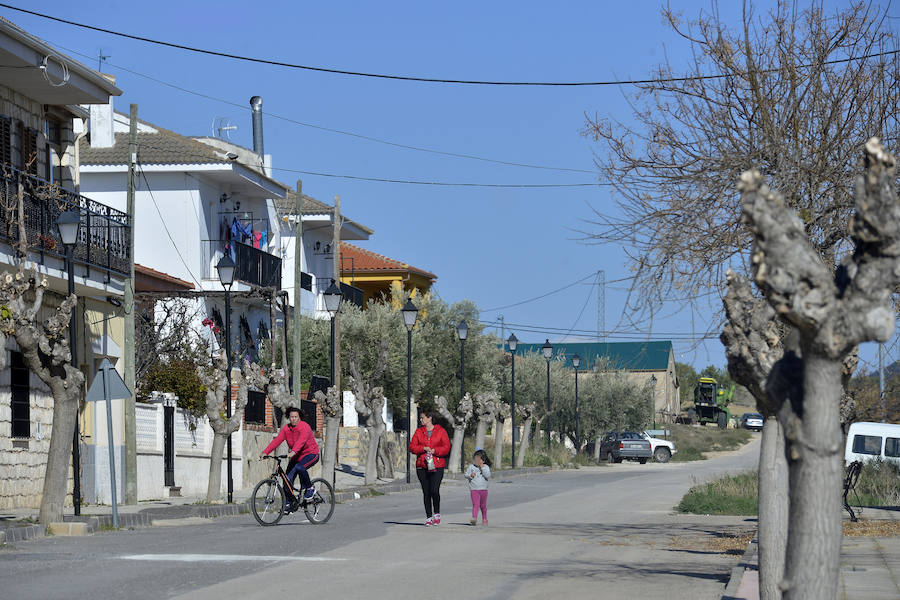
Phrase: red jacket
{"type": "Point", "coordinates": [439, 440]}
{"type": "Point", "coordinates": [300, 440]}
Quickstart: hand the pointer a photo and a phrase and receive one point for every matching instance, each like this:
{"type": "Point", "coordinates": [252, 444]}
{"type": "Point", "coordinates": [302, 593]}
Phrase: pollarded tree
{"type": "Point", "coordinates": [217, 394]}
{"type": "Point", "coordinates": [484, 410]}
{"type": "Point", "coordinates": [332, 409]}
{"type": "Point", "coordinates": [831, 311]}
{"type": "Point", "coordinates": [458, 419]}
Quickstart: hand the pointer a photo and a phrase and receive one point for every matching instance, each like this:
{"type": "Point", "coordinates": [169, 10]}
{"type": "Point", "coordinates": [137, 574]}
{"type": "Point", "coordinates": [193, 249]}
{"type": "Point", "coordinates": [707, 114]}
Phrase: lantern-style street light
{"type": "Point", "coordinates": [332, 296]}
{"type": "Point", "coordinates": [410, 314]}
{"type": "Point", "coordinates": [513, 342]}
{"type": "Point", "coordinates": [462, 332]}
{"type": "Point", "coordinates": [225, 267]}
{"type": "Point", "coordinates": [547, 349]}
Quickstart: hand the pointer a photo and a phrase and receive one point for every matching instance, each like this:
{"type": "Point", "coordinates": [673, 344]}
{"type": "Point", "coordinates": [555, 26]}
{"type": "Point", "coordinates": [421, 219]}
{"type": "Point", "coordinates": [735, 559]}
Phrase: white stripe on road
{"type": "Point", "coordinates": [223, 558]}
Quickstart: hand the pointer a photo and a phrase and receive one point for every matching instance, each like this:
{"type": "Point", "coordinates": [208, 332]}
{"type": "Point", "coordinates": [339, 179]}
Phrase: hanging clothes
{"type": "Point", "coordinates": [264, 241]}
{"type": "Point", "coordinates": [257, 238]}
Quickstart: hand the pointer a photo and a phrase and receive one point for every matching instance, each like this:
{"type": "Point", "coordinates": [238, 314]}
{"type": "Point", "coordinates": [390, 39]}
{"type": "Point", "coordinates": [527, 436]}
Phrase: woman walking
{"type": "Point", "coordinates": [431, 445]}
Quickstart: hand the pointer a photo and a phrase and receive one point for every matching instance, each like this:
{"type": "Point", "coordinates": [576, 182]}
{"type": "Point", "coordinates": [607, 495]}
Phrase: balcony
{"type": "Point", "coordinates": [104, 236]}
{"type": "Point", "coordinates": [252, 266]}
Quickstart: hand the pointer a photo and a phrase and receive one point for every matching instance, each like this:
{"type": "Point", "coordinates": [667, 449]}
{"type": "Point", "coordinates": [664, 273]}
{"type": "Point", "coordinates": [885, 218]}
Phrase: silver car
{"type": "Point", "coordinates": [752, 421]}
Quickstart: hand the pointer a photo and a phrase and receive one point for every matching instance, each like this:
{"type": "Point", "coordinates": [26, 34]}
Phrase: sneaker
{"type": "Point", "coordinates": [484, 522]}
{"type": "Point", "coordinates": [473, 521]}
{"type": "Point", "coordinates": [429, 522]}
{"type": "Point", "coordinates": [291, 507]}
{"type": "Point", "coordinates": [437, 519]}
{"type": "Point", "coordinates": [309, 493]}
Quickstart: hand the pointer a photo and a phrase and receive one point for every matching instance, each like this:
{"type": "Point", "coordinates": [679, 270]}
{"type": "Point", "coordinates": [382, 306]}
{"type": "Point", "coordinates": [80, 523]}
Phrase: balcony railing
{"type": "Point", "coordinates": [104, 235]}
{"type": "Point", "coordinates": [252, 265]}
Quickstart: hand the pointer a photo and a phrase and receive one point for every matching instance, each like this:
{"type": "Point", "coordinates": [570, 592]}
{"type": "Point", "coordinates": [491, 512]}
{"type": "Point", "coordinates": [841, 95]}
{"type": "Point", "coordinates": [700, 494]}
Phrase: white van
{"type": "Point", "coordinates": [867, 441]}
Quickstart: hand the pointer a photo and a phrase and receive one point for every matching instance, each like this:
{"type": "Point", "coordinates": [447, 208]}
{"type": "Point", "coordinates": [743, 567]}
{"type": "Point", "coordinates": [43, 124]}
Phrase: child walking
{"type": "Point", "coordinates": [478, 474]}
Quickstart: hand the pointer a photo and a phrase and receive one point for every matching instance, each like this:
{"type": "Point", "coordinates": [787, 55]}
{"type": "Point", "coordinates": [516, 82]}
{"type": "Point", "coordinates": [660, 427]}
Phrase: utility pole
{"type": "Point", "coordinates": [336, 253]}
{"type": "Point", "coordinates": [881, 383]}
{"type": "Point", "coordinates": [298, 274]}
{"type": "Point", "coordinates": [502, 327]}
{"type": "Point", "coordinates": [601, 305]}
{"type": "Point", "coordinates": [130, 426]}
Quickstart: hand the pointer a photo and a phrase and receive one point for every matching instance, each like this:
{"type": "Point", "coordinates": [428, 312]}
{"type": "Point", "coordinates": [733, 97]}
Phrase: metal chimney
{"type": "Point", "coordinates": [256, 111]}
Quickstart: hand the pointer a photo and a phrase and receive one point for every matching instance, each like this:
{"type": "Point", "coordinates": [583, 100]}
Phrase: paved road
{"type": "Point", "coordinates": [587, 533]}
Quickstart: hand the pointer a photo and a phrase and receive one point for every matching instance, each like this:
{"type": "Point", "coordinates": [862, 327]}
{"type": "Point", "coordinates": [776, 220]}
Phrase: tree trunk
{"type": "Point", "coordinates": [597, 449]}
{"type": "Point", "coordinates": [524, 442]}
{"type": "Point", "coordinates": [375, 433]}
{"type": "Point", "coordinates": [498, 443]}
{"type": "Point", "coordinates": [772, 509]}
{"type": "Point", "coordinates": [459, 432]}
{"type": "Point", "coordinates": [329, 452]}
{"type": "Point", "coordinates": [214, 487]}
{"type": "Point", "coordinates": [386, 459]}
{"type": "Point", "coordinates": [480, 433]}
{"type": "Point", "coordinates": [812, 569]}
{"type": "Point", "coordinates": [65, 412]}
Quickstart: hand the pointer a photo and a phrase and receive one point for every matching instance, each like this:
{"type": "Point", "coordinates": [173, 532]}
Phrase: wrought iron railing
{"type": "Point", "coordinates": [104, 235]}
{"type": "Point", "coordinates": [252, 265]}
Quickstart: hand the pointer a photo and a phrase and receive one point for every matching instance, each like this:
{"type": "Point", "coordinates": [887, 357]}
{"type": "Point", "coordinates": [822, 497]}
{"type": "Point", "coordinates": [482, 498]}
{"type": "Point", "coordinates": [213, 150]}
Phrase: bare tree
{"type": "Point", "coordinates": [831, 312]}
{"type": "Point", "coordinates": [526, 417]}
{"type": "Point", "coordinates": [369, 403]}
{"type": "Point", "coordinates": [485, 412]}
{"type": "Point", "coordinates": [217, 395]}
{"type": "Point", "coordinates": [164, 327]}
{"type": "Point", "coordinates": [458, 421]}
{"type": "Point", "coordinates": [44, 346]}
{"type": "Point", "coordinates": [332, 408]}
{"type": "Point", "coordinates": [793, 93]}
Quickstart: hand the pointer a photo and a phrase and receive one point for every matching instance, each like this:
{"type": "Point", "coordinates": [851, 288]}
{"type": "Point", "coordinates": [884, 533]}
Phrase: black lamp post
{"type": "Point", "coordinates": [410, 314]}
{"type": "Point", "coordinates": [462, 332]}
{"type": "Point", "coordinates": [513, 342]}
{"type": "Point", "coordinates": [68, 224]}
{"type": "Point", "coordinates": [332, 297]}
{"type": "Point", "coordinates": [547, 349]}
{"type": "Point", "coordinates": [653, 398]}
{"type": "Point", "coordinates": [576, 361]}
{"type": "Point", "coordinates": [225, 267]}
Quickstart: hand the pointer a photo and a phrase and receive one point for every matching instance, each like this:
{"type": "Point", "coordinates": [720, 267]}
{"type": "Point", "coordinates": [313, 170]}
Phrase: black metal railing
{"type": "Point", "coordinates": [252, 265]}
{"type": "Point", "coordinates": [104, 235]}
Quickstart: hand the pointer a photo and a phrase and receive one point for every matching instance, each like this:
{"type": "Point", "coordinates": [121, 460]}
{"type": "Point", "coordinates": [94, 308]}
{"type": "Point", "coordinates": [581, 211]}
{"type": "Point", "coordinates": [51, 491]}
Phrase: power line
{"type": "Point", "coordinates": [411, 181]}
{"type": "Point", "coordinates": [419, 79]}
{"type": "Point", "coordinates": [331, 129]}
{"type": "Point", "coordinates": [565, 287]}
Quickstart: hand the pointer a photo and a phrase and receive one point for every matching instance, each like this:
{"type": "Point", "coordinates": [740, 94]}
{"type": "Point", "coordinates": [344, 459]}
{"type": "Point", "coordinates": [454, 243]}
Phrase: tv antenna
{"type": "Point", "coordinates": [222, 127]}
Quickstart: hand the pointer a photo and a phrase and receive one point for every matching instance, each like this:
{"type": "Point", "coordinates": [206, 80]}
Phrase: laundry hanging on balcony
{"type": "Point", "coordinates": [239, 231]}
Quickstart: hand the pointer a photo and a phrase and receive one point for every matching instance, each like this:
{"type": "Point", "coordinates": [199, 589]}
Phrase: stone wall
{"type": "Point", "coordinates": [353, 444]}
{"type": "Point", "coordinates": [24, 460]}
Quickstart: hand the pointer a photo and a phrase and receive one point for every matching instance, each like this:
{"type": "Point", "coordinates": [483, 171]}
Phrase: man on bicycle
{"type": "Point", "coordinates": [303, 450]}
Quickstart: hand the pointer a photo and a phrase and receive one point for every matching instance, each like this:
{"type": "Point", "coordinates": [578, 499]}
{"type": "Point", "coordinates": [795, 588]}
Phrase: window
{"type": "Point", "coordinates": [20, 404]}
{"type": "Point", "coordinates": [867, 444]}
{"type": "Point", "coordinates": [53, 163]}
{"type": "Point", "coordinates": [255, 411]}
{"type": "Point", "coordinates": [5, 140]}
{"type": "Point", "coordinates": [892, 447]}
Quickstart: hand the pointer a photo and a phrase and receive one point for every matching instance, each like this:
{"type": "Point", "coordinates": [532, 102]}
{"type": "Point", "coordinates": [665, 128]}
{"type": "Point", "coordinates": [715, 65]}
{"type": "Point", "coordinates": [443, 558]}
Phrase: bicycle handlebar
{"type": "Point", "coordinates": [273, 456]}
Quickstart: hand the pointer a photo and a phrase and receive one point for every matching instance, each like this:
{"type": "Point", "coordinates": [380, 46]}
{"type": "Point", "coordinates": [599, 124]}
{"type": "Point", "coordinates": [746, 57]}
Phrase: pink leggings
{"type": "Point", "coordinates": [479, 498]}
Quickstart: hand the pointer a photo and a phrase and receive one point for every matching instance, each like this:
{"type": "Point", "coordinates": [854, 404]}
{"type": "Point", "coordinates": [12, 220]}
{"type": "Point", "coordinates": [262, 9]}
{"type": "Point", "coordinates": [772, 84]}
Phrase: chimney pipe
{"type": "Point", "coordinates": [256, 111]}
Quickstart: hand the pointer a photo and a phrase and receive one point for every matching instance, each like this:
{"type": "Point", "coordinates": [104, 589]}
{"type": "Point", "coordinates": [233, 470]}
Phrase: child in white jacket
{"type": "Point", "coordinates": [478, 474]}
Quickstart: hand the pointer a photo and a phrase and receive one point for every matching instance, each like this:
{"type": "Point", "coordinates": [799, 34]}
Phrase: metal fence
{"type": "Point", "coordinates": [252, 265]}
{"type": "Point", "coordinates": [104, 235]}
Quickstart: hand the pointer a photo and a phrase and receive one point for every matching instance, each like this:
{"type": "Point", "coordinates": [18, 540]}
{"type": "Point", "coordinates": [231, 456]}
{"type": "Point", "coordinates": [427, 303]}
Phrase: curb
{"type": "Point", "coordinates": [737, 573]}
{"type": "Point", "coordinates": [145, 517]}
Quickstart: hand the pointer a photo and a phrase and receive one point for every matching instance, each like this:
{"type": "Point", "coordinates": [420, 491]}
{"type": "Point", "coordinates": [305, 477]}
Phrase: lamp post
{"type": "Point", "coordinates": [513, 342]}
{"type": "Point", "coordinates": [332, 297]}
{"type": "Point", "coordinates": [462, 332]}
{"type": "Point", "coordinates": [410, 314]}
{"type": "Point", "coordinates": [547, 349]}
{"type": "Point", "coordinates": [68, 224]}
{"type": "Point", "coordinates": [225, 267]}
{"type": "Point", "coordinates": [576, 361]}
{"type": "Point", "coordinates": [653, 399]}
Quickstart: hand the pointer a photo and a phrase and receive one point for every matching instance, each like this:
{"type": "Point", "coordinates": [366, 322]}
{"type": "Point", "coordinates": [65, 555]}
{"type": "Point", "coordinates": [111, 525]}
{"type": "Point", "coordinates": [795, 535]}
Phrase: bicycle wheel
{"type": "Point", "coordinates": [319, 509]}
{"type": "Point", "coordinates": [267, 502]}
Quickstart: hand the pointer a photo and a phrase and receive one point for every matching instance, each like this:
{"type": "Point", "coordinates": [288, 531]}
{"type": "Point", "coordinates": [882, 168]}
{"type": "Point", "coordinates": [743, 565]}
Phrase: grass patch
{"type": "Point", "coordinates": [728, 495]}
{"type": "Point", "coordinates": [692, 442]}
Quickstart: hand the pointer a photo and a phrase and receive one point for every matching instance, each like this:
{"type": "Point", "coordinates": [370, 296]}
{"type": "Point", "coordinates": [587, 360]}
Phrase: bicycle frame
{"type": "Point", "coordinates": [281, 476]}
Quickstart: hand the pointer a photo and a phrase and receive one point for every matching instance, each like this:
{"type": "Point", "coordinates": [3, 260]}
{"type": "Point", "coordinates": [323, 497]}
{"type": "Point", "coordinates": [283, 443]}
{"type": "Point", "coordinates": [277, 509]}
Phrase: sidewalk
{"type": "Point", "coordinates": [870, 566]}
{"type": "Point", "coordinates": [21, 524]}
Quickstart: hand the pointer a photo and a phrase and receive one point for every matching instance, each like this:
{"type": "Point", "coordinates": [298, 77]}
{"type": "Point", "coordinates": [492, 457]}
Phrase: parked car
{"type": "Point", "coordinates": [867, 441]}
{"type": "Point", "coordinates": [617, 446]}
{"type": "Point", "coordinates": [662, 449]}
{"type": "Point", "coordinates": [752, 421]}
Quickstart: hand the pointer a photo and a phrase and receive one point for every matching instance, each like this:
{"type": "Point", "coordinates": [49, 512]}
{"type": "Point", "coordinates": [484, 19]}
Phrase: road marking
{"type": "Point", "coordinates": [223, 558]}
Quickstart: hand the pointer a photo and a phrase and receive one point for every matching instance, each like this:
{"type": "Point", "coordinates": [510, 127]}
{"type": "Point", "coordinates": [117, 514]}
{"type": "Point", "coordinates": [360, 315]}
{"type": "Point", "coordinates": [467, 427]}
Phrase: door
{"type": "Point", "coordinates": [169, 445]}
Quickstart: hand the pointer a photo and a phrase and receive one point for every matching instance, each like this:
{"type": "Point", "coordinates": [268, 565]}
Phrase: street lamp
{"type": "Point", "coordinates": [576, 361]}
{"type": "Point", "coordinates": [462, 332]}
{"type": "Point", "coordinates": [225, 267]}
{"type": "Point", "coordinates": [513, 342]}
{"type": "Point", "coordinates": [547, 349]}
{"type": "Point", "coordinates": [410, 314]}
{"type": "Point", "coordinates": [68, 224]}
{"type": "Point", "coordinates": [332, 297]}
{"type": "Point", "coordinates": [653, 399]}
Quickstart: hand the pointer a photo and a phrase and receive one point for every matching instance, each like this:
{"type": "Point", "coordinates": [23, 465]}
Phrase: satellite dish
{"type": "Point", "coordinates": [222, 128]}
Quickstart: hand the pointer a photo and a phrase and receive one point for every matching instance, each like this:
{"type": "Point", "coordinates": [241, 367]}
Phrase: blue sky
{"type": "Point", "coordinates": [495, 246]}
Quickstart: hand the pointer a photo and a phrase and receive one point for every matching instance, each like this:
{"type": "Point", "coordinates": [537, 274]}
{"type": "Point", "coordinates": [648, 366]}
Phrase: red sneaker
{"type": "Point", "coordinates": [429, 522]}
{"type": "Point", "coordinates": [437, 519]}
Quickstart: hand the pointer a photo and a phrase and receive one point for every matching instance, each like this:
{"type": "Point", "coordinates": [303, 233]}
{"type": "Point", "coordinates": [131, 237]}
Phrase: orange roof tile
{"type": "Point", "coordinates": [366, 260]}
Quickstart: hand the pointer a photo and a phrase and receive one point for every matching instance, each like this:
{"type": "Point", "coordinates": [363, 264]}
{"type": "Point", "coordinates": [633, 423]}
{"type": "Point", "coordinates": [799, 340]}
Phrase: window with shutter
{"type": "Point", "coordinates": [5, 140]}
{"type": "Point", "coordinates": [30, 151]}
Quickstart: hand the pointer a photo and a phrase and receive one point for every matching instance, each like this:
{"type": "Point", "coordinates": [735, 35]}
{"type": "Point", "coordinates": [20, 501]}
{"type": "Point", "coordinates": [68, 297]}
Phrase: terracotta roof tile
{"type": "Point", "coordinates": [366, 260]}
{"type": "Point", "coordinates": [161, 148]}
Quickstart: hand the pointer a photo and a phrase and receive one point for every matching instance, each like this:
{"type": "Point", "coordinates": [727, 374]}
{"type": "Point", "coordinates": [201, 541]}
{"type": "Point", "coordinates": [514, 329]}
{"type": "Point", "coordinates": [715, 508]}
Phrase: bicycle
{"type": "Point", "coordinates": [269, 502]}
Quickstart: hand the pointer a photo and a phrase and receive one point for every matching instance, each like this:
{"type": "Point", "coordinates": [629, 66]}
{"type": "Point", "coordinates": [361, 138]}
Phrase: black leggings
{"type": "Point", "coordinates": [431, 489]}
